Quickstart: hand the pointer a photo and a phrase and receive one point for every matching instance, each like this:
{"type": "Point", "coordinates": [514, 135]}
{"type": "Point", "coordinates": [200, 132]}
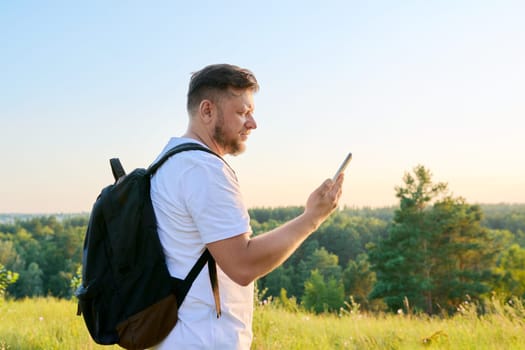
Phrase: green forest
{"type": "Point", "coordinates": [429, 254]}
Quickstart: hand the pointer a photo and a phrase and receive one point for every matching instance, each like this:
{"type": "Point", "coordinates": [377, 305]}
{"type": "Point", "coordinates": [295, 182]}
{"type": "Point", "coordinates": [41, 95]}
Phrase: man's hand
{"type": "Point", "coordinates": [324, 200]}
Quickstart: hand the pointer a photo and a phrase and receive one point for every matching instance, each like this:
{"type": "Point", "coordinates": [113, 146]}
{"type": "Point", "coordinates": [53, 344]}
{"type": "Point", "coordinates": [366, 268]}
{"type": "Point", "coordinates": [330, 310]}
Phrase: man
{"type": "Point", "coordinates": [198, 205]}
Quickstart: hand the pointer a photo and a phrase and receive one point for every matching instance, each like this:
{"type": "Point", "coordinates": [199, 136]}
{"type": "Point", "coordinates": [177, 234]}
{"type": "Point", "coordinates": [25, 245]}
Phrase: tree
{"type": "Point", "coordinates": [279, 278]}
{"type": "Point", "coordinates": [298, 268]}
{"type": "Point", "coordinates": [511, 271]}
{"type": "Point", "coordinates": [326, 263]}
{"type": "Point", "coordinates": [347, 236]}
{"type": "Point", "coordinates": [321, 296]}
{"type": "Point", "coordinates": [359, 279]}
{"type": "Point", "coordinates": [402, 261]}
{"type": "Point", "coordinates": [9, 257]}
{"type": "Point", "coordinates": [30, 283]}
{"type": "Point", "coordinates": [464, 251]}
{"type": "Point", "coordinates": [6, 278]}
{"type": "Point", "coordinates": [436, 252]}
{"type": "Point", "coordinates": [45, 252]}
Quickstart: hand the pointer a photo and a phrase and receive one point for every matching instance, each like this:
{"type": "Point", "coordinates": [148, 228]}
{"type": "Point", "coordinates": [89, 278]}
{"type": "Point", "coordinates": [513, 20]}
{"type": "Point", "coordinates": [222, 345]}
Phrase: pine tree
{"type": "Point", "coordinates": [436, 252]}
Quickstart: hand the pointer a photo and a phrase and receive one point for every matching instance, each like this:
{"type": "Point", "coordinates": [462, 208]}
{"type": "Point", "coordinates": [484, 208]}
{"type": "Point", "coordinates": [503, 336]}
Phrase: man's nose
{"type": "Point", "coordinates": [251, 123]}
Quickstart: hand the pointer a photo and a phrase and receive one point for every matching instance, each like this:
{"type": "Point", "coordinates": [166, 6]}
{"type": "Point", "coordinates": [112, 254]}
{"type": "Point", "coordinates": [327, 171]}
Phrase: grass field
{"type": "Point", "coordinates": [49, 324]}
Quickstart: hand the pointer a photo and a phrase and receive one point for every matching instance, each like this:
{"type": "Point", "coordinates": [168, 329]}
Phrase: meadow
{"type": "Point", "coordinates": [48, 323]}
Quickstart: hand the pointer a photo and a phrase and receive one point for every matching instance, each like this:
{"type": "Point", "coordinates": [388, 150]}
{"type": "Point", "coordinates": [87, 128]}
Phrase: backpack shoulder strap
{"type": "Point", "coordinates": [212, 269]}
{"type": "Point", "coordinates": [190, 146]}
{"type": "Point", "coordinates": [206, 257]}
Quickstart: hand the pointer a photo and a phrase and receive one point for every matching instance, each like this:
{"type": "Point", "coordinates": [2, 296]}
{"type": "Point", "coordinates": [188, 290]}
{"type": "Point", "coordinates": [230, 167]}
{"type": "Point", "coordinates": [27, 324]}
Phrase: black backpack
{"type": "Point", "coordinates": [127, 296]}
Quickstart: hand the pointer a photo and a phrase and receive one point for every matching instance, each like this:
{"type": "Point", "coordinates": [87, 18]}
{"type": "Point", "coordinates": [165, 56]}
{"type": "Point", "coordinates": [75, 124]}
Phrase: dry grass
{"type": "Point", "coordinates": [50, 324]}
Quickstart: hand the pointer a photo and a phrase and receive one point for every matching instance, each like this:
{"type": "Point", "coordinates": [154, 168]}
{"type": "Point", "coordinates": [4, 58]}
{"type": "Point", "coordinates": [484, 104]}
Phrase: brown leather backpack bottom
{"type": "Point", "coordinates": [150, 326]}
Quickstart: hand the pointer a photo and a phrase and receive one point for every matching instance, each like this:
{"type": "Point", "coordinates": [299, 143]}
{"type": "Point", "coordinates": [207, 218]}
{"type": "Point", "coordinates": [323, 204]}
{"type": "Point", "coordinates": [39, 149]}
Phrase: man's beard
{"type": "Point", "coordinates": [231, 146]}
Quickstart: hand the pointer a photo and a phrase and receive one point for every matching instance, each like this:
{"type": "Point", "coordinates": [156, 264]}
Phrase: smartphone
{"type": "Point", "coordinates": [343, 166]}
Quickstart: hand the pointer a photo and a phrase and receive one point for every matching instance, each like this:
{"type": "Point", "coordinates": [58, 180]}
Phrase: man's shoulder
{"type": "Point", "coordinates": [192, 160]}
{"type": "Point", "coordinates": [197, 155]}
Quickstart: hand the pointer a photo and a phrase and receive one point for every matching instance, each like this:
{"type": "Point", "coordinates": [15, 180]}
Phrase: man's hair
{"type": "Point", "coordinates": [213, 81]}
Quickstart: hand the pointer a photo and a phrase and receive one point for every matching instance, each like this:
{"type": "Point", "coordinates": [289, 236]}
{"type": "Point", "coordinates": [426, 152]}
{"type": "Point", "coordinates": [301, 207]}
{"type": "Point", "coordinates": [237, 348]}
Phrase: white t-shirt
{"type": "Point", "coordinates": [197, 200]}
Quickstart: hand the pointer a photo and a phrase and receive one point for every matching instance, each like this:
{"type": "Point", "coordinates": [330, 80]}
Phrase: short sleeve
{"type": "Point", "coordinates": [215, 201]}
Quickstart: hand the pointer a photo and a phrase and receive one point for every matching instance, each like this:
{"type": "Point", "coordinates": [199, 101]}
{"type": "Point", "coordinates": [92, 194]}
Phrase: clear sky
{"type": "Point", "coordinates": [398, 83]}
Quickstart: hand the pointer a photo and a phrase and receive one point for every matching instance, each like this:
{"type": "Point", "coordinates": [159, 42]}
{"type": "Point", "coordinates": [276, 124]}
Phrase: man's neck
{"type": "Point", "coordinates": [208, 141]}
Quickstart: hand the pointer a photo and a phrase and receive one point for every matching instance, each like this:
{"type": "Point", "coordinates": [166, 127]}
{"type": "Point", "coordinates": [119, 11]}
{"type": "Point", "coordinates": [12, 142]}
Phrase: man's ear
{"type": "Point", "coordinates": [206, 111]}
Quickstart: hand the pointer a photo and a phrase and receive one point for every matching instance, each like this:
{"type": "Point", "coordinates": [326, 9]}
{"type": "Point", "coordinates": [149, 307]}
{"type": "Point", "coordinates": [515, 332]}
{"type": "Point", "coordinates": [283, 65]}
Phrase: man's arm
{"type": "Point", "coordinates": [244, 259]}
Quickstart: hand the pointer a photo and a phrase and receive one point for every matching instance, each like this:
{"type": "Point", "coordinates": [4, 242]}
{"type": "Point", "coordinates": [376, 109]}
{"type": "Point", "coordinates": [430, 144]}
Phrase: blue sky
{"type": "Point", "coordinates": [398, 83]}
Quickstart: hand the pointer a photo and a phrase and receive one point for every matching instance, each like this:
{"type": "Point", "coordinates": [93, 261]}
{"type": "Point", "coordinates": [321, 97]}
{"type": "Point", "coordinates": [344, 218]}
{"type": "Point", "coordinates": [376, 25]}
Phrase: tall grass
{"type": "Point", "coordinates": [503, 328]}
{"type": "Point", "coordinates": [43, 323]}
{"type": "Point", "coordinates": [49, 324]}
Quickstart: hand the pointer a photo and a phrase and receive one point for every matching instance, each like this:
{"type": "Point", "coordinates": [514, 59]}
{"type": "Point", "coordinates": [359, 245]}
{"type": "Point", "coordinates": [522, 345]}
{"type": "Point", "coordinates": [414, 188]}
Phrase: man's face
{"type": "Point", "coordinates": [234, 121]}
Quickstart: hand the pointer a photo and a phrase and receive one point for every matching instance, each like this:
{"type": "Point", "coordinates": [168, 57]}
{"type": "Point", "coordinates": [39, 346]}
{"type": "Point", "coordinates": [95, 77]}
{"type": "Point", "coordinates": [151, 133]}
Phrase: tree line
{"type": "Point", "coordinates": [43, 255]}
{"type": "Point", "coordinates": [427, 254]}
